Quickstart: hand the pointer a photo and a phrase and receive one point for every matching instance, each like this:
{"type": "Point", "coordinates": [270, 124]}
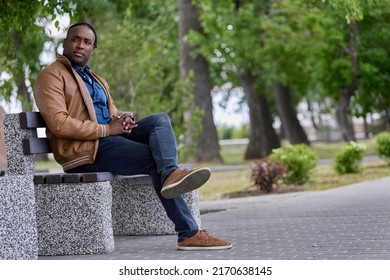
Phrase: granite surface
{"type": "Point", "coordinates": [18, 162]}
{"type": "Point", "coordinates": [74, 218]}
{"type": "Point", "coordinates": [138, 211]}
{"type": "Point", "coordinates": [18, 232]}
{"type": "Point", "coordinates": [3, 157]}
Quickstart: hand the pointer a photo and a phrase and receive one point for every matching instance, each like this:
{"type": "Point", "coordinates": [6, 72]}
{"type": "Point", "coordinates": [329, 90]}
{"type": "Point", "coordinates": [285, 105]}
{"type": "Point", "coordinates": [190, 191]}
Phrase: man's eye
{"type": "Point", "coordinates": [88, 43]}
{"type": "Point", "coordinates": [75, 39]}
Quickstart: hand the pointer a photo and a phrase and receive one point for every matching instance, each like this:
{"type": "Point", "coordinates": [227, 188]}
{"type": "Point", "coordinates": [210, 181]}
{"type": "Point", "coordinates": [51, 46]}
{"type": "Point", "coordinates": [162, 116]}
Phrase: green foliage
{"type": "Point", "coordinates": [300, 160]}
{"type": "Point", "coordinates": [374, 56]}
{"type": "Point", "coordinates": [143, 75]}
{"type": "Point", "coordinates": [189, 131]}
{"type": "Point", "coordinates": [353, 9]}
{"type": "Point", "coordinates": [230, 39]}
{"type": "Point", "coordinates": [137, 53]}
{"type": "Point", "coordinates": [22, 29]}
{"type": "Point", "coordinates": [382, 146]}
{"type": "Point", "coordinates": [21, 16]}
{"type": "Point", "coordinates": [225, 132]}
{"type": "Point", "coordinates": [267, 172]}
{"type": "Point", "coordinates": [138, 56]}
{"type": "Point", "coordinates": [300, 42]}
{"type": "Point", "coordinates": [349, 159]}
{"type": "Point", "coordinates": [22, 66]}
{"type": "Point", "coordinates": [241, 132]}
{"type": "Point", "coordinates": [231, 132]}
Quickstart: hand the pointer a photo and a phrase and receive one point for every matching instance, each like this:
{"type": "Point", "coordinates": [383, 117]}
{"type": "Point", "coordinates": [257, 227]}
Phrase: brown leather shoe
{"type": "Point", "coordinates": [203, 241]}
{"type": "Point", "coordinates": [182, 181]}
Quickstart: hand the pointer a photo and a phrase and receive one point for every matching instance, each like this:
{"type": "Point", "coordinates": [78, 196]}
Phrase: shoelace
{"type": "Point", "coordinates": [204, 234]}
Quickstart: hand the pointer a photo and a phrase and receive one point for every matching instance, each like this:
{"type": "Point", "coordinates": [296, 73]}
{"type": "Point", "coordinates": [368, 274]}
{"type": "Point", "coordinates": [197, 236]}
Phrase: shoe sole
{"type": "Point", "coordinates": [190, 182]}
{"type": "Point", "coordinates": [194, 248]}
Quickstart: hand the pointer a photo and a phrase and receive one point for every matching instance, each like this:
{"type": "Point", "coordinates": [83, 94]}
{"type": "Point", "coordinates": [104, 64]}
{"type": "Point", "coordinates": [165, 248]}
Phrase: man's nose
{"type": "Point", "coordinates": [80, 44]}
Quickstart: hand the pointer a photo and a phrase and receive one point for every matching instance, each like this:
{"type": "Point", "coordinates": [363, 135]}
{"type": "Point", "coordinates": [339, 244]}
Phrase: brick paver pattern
{"type": "Point", "coordinates": [351, 222]}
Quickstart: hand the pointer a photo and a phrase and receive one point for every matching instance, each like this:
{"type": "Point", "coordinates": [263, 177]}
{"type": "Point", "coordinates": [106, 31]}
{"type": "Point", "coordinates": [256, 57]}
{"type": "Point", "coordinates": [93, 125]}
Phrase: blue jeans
{"type": "Point", "coordinates": [149, 149]}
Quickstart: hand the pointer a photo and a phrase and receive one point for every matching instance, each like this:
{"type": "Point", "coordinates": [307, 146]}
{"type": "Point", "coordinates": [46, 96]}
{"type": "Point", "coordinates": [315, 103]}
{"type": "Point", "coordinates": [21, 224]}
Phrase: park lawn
{"type": "Point", "coordinates": [323, 177]}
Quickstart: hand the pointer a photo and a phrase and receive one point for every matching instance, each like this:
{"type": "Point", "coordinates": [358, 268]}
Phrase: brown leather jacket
{"type": "Point", "coordinates": [66, 106]}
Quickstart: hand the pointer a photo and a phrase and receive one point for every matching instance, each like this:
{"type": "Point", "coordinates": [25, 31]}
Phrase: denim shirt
{"type": "Point", "coordinates": [97, 93]}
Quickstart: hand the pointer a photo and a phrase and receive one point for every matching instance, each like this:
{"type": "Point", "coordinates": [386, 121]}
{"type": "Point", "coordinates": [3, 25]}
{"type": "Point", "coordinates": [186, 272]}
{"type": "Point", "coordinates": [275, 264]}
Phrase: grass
{"type": "Point", "coordinates": [224, 182]}
{"type": "Point", "coordinates": [329, 150]}
{"type": "Point", "coordinates": [234, 154]}
{"type": "Point", "coordinates": [323, 176]}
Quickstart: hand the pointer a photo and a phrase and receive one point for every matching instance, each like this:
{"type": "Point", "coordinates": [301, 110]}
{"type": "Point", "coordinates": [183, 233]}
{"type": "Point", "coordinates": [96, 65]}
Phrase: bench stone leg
{"type": "Point", "coordinates": [18, 231]}
{"type": "Point", "coordinates": [18, 162]}
{"type": "Point", "coordinates": [137, 210]}
{"type": "Point", "coordinates": [74, 219]}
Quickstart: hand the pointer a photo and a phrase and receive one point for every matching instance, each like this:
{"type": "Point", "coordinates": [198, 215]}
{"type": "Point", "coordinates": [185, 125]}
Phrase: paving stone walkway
{"type": "Point", "coordinates": [351, 222]}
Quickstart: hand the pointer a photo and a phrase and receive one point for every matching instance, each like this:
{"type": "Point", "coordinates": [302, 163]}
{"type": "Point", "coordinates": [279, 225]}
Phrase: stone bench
{"type": "Point", "coordinates": [81, 213]}
{"type": "Point", "coordinates": [18, 228]}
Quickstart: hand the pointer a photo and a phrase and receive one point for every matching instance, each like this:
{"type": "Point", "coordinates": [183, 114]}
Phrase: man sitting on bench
{"type": "Point", "coordinates": [87, 133]}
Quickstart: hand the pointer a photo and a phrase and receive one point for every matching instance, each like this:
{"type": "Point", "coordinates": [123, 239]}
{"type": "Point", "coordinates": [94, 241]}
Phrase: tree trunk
{"type": "Point", "coordinates": [262, 136]}
{"type": "Point", "coordinates": [288, 116]}
{"type": "Point", "coordinates": [310, 109]}
{"type": "Point", "coordinates": [207, 146]}
{"type": "Point", "coordinates": [387, 119]}
{"type": "Point", "coordinates": [343, 120]}
{"type": "Point", "coordinates": [366, 128]}
{"type": "Point", "coordinates": [346, 93]}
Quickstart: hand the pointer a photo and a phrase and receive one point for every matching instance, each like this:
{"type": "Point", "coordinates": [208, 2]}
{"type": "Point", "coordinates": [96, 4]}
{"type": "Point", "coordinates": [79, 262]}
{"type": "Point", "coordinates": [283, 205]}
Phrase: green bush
{"type": "Point", "coordinates": [225, 132]}
{"type": "Point", "coordinates": [349, 159]}
{"type": "Point", "coordinates": [300, 160]}
{"type": "Point", "coordinates": [267, 172]}
{"type": "Point", "coordinates": [382, 146]}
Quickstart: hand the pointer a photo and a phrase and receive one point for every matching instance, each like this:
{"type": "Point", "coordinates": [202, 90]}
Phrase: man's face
{"type": "Point", "coordinates": [79, 45]}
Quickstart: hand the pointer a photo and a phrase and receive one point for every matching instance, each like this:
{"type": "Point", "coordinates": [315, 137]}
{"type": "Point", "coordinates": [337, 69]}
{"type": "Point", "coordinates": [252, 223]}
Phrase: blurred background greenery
{"type": "Point", "coordinates": [300, 71]}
